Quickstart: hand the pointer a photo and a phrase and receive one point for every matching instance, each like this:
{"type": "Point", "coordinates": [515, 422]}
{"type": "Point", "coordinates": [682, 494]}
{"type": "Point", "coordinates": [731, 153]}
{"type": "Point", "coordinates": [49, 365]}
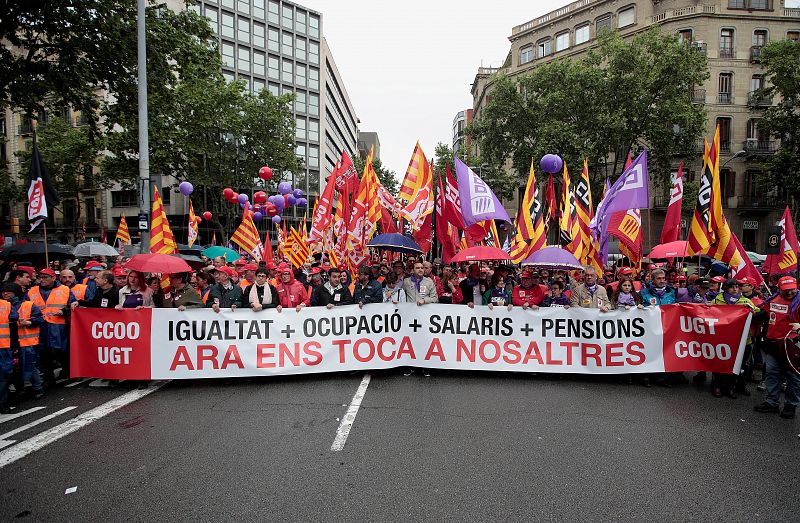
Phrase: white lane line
{"type": "Point", "coordinates": [76, 383]}
{"type": "Point", "coordinates": [349, 417]}
{"type": "Point", "coordinates": [9, 417]}
{"type": "Point", "coordinates": [5, 442]}
{"type": "Point", "coordinates": [43, 439]}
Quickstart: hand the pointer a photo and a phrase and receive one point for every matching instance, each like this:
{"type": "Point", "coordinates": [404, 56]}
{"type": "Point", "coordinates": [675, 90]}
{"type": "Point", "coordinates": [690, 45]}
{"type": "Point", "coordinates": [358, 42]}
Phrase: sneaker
{"type": "Point", "coordinates": [426, 373]}
{"type": "Point", "coordinates": [788, 412]}
{"type": "Point", "coordinates": [38, 394]}
{"type": "Point", "coordinates": [408, 372]}
{"type": "Point", "coordinates": [766, 408]}
{"type": "Point", "coordinates": [716, 392]}
{"type": "Point", "coordinates": [762, 386]}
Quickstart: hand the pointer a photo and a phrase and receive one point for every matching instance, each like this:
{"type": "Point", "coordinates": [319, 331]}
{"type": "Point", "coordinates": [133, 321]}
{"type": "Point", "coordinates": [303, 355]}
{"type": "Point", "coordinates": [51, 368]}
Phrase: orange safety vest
{"type": "Point", "coordinates": [79, 291]}
{"type": "Point", "coordinates": [28, 335]}
{"type": "Point", "coordinates": [204, 297]}
{"type": "Point", "coordinates": [5, 328]}
{"type": "Point", "coordinates": [57, 301]}
{"type": "Point", "coordinates": [245, 284]}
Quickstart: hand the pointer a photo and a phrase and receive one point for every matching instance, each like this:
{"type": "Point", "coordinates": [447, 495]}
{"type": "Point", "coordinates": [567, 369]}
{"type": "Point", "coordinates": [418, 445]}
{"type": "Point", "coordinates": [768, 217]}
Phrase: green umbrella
{"type": "Point", "coordinates": [218, 250]}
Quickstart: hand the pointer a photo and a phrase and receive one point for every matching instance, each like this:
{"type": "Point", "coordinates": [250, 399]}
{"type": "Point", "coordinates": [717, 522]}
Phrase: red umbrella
{"type": "Point", "coordinates": [162, 263]}
{"type": "Point", "coordinates": [481, 253]}
{"type": "Point", "coordinates": [675, 249]}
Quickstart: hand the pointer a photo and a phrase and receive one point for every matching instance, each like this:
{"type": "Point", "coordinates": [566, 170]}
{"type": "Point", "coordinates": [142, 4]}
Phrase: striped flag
{"type": "Point", "coordinates": [296, 249]}
{"type": "Point", "coordinates": [193, 225]}
{"type": "Point", "coordinates": [214, 238]}
{"type": "Point", "coordinates": [162, 240]}
{"type": "Point", "coordinates": [417, 189]}
{"type": "Point", "coordinates": [570, 226]}
{"type": "Point", "coordinates": [530, 235]}
{"type": "Point", "coordinates": [585, 212]}
{"type": "Point", "coordinates": [123, 234]}
{"type": "Point", "coordinates": [247, 237]}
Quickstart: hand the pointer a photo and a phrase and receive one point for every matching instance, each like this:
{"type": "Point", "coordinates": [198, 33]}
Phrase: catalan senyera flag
{"type": "Point", "coordinates": [194, 224]}
{"type": "Point", "coordinates": [710, 233]}
{"type": "Point", "coordinates": [530, 235]}
{"type": "Point", "coordinates": [365, 215]}
{"type": "Point", "coordinates": [247, 237]}
{"type": "Point", "coordinates": [417, 189]}
{"type": "Point", "coordinates": [786, 261]}
{"type": "Point", "coordinates": [123, 234]}
{"type": "Point", "coordinates": [626, 226]}
{"type": "Point", "coordinates": [296, 249]}
{"type": "Point", "coordinates": [162, 240]}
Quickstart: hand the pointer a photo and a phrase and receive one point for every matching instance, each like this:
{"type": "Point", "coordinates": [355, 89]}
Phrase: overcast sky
{"type": "Point", "coordinates": [408, 65]}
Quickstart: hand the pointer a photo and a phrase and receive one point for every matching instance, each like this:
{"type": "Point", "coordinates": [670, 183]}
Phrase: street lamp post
{"type": "Point", "coordinates": [144, 144]}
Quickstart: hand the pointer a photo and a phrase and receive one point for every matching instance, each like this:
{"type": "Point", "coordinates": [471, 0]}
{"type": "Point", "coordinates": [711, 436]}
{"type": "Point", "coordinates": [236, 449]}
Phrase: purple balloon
{"type": "Point", "coordinates": [186, 188]}
{"type": "Point", "coordinates": [257, 216]}
{"type": "Point", "coordinates": [551, 163]}
{"type": "Point", "coordinates": [243, 198]}
{"type": "Point", "coordinates": [284, 187]}
{"type": "Point", "coordinates": [301, 202]}
{"type": "Point", "coordinates": [280, 202]}
{"type": "Point", "coordinates": [298, 193]}
{"type": "Point", "coordinates": [291, 200]}
{"type": "Point", "coordinates": [276, 219]}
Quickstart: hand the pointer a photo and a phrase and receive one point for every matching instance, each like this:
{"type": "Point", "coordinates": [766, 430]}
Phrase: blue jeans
{"type": "Point", "coordinates": [775, 375]}
{"type": "Point", "coordinates": [28, 371]}
{"type": "Point", "coordinates": [6, 370]}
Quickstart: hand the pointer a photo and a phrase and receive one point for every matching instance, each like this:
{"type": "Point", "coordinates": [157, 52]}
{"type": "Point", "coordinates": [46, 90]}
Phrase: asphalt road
{"type": "Point", "coordinates": [456, 446]}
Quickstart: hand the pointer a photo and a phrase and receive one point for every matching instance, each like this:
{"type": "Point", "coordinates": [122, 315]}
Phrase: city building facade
{"type": "Point", "coordinates": [731, 34]}
{"type": "Point", "coordinates": [460, 122]}
{"type": "Point", "coordinates": [369, 141]}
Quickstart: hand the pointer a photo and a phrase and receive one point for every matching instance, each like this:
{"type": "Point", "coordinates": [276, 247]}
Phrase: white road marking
{"type": "Point", "coordinates": [76, 383]}
{"type": "Point", "coordinates": [43, 439]}
{"type": "Point", "coordinates": [349, 417]}
{"type": "Point", "coordinates": [9, 417]}
{"type": "Point", "coordinates": [4, 442]}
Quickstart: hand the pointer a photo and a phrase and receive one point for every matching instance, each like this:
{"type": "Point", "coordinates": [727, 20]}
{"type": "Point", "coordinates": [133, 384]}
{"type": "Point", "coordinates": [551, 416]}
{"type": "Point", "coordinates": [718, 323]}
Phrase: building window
{"type": "Point", "coordinates": [228, 57]}
{"type": "Point", "coordinates": [758, 4]}
{"type": "Point", "coordinates": [258, 34]}
{"type": "Point", "coordinates": [228, 76]}
{"type": "Point", "coordinates": [288, 44]}
{"type": "Point", "coordinates": [229, 3]}
{"type": "Point", "coordinates": [288, 71]}
{"type": "Point", "coordinates": [127, 198]}
{"type": "Point", "coordinates": [244, 59]}
{"type": "Point", "coordinates": [166, 195]}
{"type": "Point", "coordinates": [287, 17]}
{"type": "Point", "coordinates": [685, 36]}
{"type": "Point", "coordinates": [227, 24]}
{"type": "Point", "coordinates": [756, 82]}
{"type": "Point", "coordinates": [581, 34]}
{"type": "Point", "coordinates": [602, 24]}
{"type": "Point", "coordinates": [300, 75]}
{"type": "Point", "coordinates": [258, 9]}
{"type": "Point", "coordinates": [313, 104]}
{"type": "Point", "coordinates": [313, 52]}
{"type": "Point", "coordinates": [760, 37]}
{"type": "Point", "coordinates": [726, 43]}
{"type": "Point", "coordinates": [273, 44]}
{"type": "Point", "coordinates": [313, 130]}
{"type": "Point", "coordinates": [300, 130]}
{"type": "Point", "coordinates": [725, 92]}
{"type": "Point", "coordinates": [273, 15]}
{"type": "Point", "coordinates": [213, 18]}
{"type": "Point", "coordinates": [562, 41]}
{"type": "Point", "coordinates": [300, 102]}
{"type": "Point", "coordinates": [272, 68]}
{"type": "Point", "coordinates": [313, 156]}
{"type": "Point", "coordinates": [544, 48]}
{"type": "Point", "coordinates": [626, 17]}
{"type": "Point", "coordinates": [300, 49]}
{"type": "Point", "coordinates": [258, 85]}
{"type": "Point", "coordinates": [244, 29]}
{"type": "Point", "coordinates": [243, 6]}
{"type": "Point", "coordinates": [735, 4]}
{"type": "Point", "coordinates": [275, 89]}
{"type": "Point", "coordinates": [300, 22]}
{"type": "Point", "coordinates": [525, 55]}
{"type": "Point", "coordinates": [313, 26]}
{"type": "Point", "coordinates": [724, 124]}
{"type": "Point", "coordinates": [313, 78]}
{"type": "Point", "coordinates": [259, 63]}
{"type": "Point", "coordinates": [793, 35]}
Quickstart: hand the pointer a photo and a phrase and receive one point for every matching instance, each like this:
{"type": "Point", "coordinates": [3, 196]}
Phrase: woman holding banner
{"type": "Point", "coordinates": [730, 384]}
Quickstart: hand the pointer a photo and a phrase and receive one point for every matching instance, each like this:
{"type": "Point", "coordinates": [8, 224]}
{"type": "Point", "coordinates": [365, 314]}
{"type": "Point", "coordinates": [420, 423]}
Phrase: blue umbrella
{"type": "Point", "coordinates": [395, 242]}
{"type": "Point", "coordinates": [218, 250]}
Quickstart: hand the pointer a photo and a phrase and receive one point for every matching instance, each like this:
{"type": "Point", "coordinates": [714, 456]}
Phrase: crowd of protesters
{"type": "Point", "coordinates": [36, 304]}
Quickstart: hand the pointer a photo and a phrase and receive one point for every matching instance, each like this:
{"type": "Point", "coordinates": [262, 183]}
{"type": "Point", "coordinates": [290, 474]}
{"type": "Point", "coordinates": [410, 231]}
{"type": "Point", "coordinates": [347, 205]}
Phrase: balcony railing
{"type": "Point", "coordinates": [755, 53]}
{"type": "Point", "coordinates": [724, 98]}
{"type": "Point", "coordinates": [754, 145]}
{"type": "Point", "coordinates": [700, 47]}
{"type": "Point", "coordinates": [725, 146]}
{"type": "Point", "coordinates": [661, 202]}
{"type": "Point", "coordinates": [761, 201]}
{"type": "Point", "coordinates": [699, 96]}
{"type": "Point", "coordinates": [25, 128]}
{"type": "Point", "coordinates": [727, 52]}
{"type": "Point", "coordinates": [756, 99]}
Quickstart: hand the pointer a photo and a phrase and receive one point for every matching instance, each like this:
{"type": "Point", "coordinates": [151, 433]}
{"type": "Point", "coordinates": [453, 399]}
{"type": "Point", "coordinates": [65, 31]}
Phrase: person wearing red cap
{"type": "Point", "coordinates": [784, 318]}
{"type": "Point", "coordinates": [527, 294]}
{"type": "Point", "coordinates": [120, 276]}
{"type": "Point", "coordinates": [248, 275]}
{"type": "Point", "coordinates": [291, 292]}
{"type": "Point", "coordinates": [224, 294]}
{"type": "Point", "coordinates": [273, 273]}
{"type": "Point", "coordinates": [55, 301]}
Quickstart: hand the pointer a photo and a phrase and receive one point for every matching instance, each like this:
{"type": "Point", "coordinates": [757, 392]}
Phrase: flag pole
{"type": "Point", "coordinates": [46, 253]}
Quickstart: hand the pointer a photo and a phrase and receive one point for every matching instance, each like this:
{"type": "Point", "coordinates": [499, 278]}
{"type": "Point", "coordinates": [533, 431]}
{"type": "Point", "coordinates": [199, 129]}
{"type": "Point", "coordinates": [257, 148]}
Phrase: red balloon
{"type": "Point", "coordinates": [265, 173]}
{"type": "Point", "coordinates": [207, 216]}
{"type": "Point", "coordinates": [227, 193]}
{"type": "Point", "coordinates": [234, 198]}
{"type": "Point", "coordinates": [270, 209]}
{"type": "Point", "coordinates": [260, 197]}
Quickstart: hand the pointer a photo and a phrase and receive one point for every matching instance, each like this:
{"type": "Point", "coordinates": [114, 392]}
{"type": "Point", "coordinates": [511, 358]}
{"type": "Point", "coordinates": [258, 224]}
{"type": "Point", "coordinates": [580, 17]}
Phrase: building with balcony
{"type": "Point", "coordinates": [731, 33]}
{"type": "Point", "coordinates": [460, 122]}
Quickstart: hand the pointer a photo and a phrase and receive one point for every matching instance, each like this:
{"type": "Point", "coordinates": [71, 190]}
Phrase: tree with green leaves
{"type": "Point", "coordinates": [622, 95]}
{"type": "Point", "coordinates": [781, 60]}
{"type": "Point", "coordinates": [386, 176]}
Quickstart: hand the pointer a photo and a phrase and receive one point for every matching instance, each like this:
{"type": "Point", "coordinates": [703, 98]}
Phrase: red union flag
{"type": "Point", "coordinates": [672, 223]}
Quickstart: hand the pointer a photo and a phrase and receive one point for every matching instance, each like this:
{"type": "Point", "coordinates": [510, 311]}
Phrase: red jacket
{"type": "Point", "coordinates": [532, 296]}
{"type": "Point", "coordinates": [291, 294]}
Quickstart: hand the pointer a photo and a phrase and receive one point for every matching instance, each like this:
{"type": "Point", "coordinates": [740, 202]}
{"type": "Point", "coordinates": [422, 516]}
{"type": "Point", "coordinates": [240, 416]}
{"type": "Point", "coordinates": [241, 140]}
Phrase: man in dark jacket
{"type": "Point", "coordinates": [332, 293]}
{"type": "Point", "coordinates": [368, 289]}
{"type": "Point", "coordinates": [107, 294]}
{"type": "Point", "coordinates": [224, 294]}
